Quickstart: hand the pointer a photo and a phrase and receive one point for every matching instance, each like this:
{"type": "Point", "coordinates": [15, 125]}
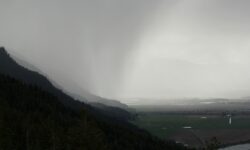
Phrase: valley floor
{"type": "Point", "coordinates": [196, 130]}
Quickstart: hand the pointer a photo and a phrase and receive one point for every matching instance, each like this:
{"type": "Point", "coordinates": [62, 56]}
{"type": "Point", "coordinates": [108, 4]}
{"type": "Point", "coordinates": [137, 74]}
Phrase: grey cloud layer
{"type": "Point", "coordinates": [134, 48]}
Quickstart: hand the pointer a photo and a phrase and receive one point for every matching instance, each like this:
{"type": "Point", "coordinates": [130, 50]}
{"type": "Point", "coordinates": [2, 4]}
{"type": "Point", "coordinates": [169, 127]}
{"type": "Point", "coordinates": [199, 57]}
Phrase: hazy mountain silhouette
{"type": "Point", "coordinates": [30, 74]}
{"type": "Point", "coordinates": [10, 67]}
{"type": "Point", "coordinates": [93, 99]}
{"type": "Point", "coordinates": [34, 115]}
{"type": "Point", "coordinates": [37, 79]}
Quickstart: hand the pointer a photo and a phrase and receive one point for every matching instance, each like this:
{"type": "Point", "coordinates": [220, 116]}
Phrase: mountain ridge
{"type": "Point", "coordinates": [9, 67]}
{"type": "Point", "coordinates": [46, 83]}
{"type": "Point", "coordinates": [52, 120]}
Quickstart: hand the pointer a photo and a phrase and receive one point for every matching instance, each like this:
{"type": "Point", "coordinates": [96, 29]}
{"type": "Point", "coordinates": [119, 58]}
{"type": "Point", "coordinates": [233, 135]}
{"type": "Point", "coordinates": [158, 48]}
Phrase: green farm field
{"type": "Point", "coordinates": [196, 129]}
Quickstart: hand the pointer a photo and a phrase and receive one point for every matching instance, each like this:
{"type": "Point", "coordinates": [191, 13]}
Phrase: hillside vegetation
{"type": "Point", "coordinates": [33, 119]}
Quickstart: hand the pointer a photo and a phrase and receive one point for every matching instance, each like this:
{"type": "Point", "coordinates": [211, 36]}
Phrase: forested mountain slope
{"type": "Point", "coordinates": [33, 119]}
{"type": "Point", "coordinates": [8, 66]}
{"type": "Point", "coordinates": [24, 72]}
{"type": "Point", "coordinates": [35, 115]}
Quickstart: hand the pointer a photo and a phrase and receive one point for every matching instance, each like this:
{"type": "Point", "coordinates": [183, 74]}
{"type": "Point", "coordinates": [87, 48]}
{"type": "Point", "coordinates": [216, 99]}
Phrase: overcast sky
{"type": "Point", "coordinates": [128, 49]}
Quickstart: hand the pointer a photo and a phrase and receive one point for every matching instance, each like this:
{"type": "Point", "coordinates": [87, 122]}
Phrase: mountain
{"type": "Point", "coordinates": [93, 100]}
{"type": "Point", "coordinates": [33, 119]}
{"type": "Point", "coordinates": [34, 115]}
{"type": "Point", "coordinates": [10, 67]}
{"type": "Point", "coordinates": [31, 74]}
